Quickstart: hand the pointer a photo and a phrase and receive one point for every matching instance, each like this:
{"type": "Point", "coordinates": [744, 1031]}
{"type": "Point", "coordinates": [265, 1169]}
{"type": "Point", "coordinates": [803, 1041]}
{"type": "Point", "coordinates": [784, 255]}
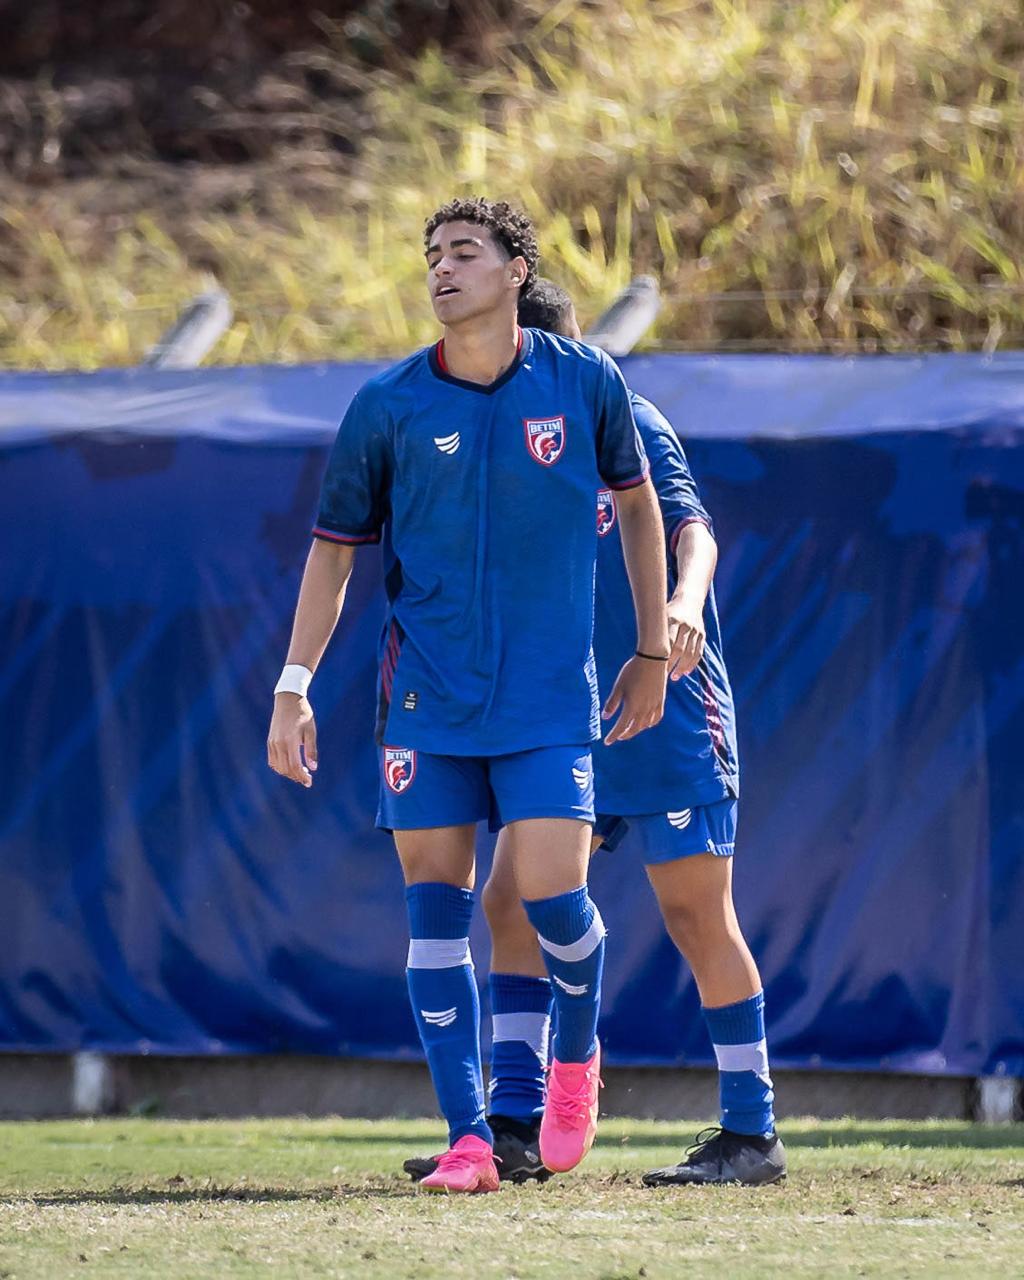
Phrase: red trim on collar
{"type": "Point", "coordinates": [443, 364]}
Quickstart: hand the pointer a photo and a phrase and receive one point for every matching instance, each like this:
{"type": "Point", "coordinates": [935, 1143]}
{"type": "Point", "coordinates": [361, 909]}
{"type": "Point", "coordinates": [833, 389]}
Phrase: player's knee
{"type": "Point", "coordinates": [500, 901]}
{"type": "Point", "coordinates": [696, 928]}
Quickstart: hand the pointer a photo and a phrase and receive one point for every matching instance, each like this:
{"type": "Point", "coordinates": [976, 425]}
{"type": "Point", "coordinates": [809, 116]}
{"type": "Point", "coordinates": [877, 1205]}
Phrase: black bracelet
{"type": "Point", "coordinates": [652, 657]}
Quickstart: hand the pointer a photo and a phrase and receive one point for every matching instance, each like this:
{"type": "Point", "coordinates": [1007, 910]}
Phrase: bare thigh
{"type": "Point", "coordinates": [549, 855]}
{"type": "Point", "coordinates": [438, 855]}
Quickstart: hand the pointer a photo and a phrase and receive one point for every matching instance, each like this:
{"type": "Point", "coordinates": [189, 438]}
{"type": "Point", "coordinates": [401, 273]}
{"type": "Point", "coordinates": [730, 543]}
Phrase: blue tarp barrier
{"type": "Point", "coordinates": [162, 891]}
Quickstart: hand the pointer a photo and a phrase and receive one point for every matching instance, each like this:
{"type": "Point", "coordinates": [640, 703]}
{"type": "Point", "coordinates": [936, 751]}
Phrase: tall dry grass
{"type": "Point", "coordinates": [819, 176]}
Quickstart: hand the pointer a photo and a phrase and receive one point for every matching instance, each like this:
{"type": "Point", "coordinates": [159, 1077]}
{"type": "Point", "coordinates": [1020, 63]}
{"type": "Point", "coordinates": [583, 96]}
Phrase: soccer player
{"type": "Point", "coordinates": [476, 461]}
{"type": "Point", "coordinates": [675, 789]}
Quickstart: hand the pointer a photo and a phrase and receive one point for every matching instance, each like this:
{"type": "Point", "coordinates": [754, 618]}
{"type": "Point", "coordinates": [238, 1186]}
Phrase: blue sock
{"type": "Point", "coordinates": [521, 1021]}
{"type": "Point", "coordinates": [571, 934]}
{"type": "Point", "coordinates": [745, 1086]}
{"type": "Point", "coordinates": [442, 988]}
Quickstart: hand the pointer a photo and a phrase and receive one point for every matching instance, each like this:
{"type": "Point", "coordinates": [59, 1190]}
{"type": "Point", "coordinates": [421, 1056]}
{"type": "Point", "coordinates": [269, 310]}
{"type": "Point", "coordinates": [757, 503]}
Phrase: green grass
{"type": "Point", "coordinates": [137, 1198]}
{"type": "Point", "coordinates": [819, 175]}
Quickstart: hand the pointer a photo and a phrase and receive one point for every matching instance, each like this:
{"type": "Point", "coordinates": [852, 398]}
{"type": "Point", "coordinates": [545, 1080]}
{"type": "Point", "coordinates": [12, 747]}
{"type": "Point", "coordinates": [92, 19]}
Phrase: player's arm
{"type": "Point", "coordinates": [353, 507]}
{"type": "Point", "coordinates": [688, 532]}
{"type": "Point", "coordinates": [639, 689]}
{"type": "Point", "coordinates": [638, 694]}
{"type": "Point", "coordinates": [321, 597]}
{"type": "Point", "coordinates": [696, 558]}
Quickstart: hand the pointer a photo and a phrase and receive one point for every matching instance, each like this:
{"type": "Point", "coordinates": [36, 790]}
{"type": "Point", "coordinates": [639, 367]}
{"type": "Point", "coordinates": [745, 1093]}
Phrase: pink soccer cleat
{"type": "Point", "coordinates": [569, 1126]}
{"type": "Point", "coordinates": [468, 1167]}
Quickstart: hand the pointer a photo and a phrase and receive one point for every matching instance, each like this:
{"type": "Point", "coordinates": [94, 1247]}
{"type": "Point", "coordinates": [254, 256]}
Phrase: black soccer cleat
{"type": "Point", "coordinates": [517, 1149]}
{"type": "Point", "coordinates": [720, 1156]}
{"type": "Point", "coordinates": [419, 1167]}
{"type": "Point", "coordinates": [516, 1153]}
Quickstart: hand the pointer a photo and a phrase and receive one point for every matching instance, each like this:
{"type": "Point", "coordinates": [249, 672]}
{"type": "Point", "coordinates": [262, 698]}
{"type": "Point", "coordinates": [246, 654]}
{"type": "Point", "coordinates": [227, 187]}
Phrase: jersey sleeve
{"type": "Point", "coordinates": [354, 498]}
{"type": "Point", "coordinates": [678, 495]}
{"type": "Point", "coordinates": [621, 460]}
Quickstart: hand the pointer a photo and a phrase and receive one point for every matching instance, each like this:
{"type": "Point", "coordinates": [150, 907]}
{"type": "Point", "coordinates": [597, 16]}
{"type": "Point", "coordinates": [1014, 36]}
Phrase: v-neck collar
{"type": "Point", "coordinates": [435, 357]}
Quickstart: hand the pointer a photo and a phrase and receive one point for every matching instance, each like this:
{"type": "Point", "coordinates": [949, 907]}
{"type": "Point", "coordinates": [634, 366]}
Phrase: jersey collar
{"type": "Point", "coordinates": [435, 357]}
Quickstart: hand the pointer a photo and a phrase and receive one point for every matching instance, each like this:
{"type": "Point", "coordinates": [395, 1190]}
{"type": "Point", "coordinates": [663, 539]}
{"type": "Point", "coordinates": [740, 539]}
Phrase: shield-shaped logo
{"type": "Point", "coordinates": [605, 512]}
{"type": "Point", "coordinates": [545, 439]}
{"type": "Point", "coordinates": [399, 768]}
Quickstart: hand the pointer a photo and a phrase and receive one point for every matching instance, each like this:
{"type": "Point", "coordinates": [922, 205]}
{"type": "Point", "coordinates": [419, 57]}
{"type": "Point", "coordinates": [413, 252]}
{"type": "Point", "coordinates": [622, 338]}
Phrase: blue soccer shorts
{"type": "Point", "coordinates": [419, 790]}
{"type": "Point", "coordinates": [664, 837]}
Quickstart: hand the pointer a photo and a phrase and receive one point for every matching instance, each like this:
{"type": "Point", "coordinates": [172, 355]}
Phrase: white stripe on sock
{"type": "Point", "coordinates": [745, 1057]}
{"type": "Point", "coordinates": [438, 953]}
{"type": "Point", "coordinates": [584, 947]}
{"type": "Point", "coordinates": [531, 1028]}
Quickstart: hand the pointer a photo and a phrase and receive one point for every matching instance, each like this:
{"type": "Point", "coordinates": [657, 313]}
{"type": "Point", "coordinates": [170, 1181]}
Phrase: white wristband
{"type": "Point", "coordinates": [294, 679]}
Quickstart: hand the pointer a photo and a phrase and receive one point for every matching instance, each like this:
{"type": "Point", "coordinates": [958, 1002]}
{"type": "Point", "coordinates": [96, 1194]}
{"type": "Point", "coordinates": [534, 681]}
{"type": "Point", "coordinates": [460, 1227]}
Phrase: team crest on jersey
{"type": "Point", "coordinates": [605, 512]}
{"type": "Point", "coordinates": [399, 768]}
{"type": "Point", "coordinates": [545, 438]}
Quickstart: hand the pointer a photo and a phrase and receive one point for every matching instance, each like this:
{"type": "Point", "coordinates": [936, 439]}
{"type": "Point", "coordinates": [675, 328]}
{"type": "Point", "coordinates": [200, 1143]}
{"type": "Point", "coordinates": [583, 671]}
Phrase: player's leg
{"type": "Point", "coordinates": [550, 856]}
{"type": "Point", "coordinates": [694, 892]}
{"type": "Point", "coordinates": [521, 1019]}
{"type": "Point", "coordinates": [521, 1005]}
{"type": "Point", "coordinates": [520, 1024]}
{"type": "Point", "coordinates": [521, 1000]}
{"type": "Point", "coordinates": [545, 798]}
{"type": "Point", "coordinates": [437, 855]}
{"type": "Point", "coordinates": [520, 996]}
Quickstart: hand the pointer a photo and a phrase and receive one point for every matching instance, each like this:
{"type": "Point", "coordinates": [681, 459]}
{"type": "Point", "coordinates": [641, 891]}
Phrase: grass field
{"type": "Point", "coordinates": [132, 1198]}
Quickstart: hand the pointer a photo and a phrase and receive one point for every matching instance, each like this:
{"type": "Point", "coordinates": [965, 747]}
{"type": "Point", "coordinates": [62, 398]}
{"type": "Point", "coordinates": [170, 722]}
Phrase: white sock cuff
{"type": "Point", "coordinates": [530, 1028]}
{"type": "Point", "coordinates": [438, 953]}
{"type": "Point", "coordinates": [583, 947]}
{"type": "Point", "coordinates": [745, 1057]}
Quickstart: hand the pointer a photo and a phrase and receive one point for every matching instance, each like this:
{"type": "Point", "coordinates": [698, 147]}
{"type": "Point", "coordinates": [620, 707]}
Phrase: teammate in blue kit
{"type": "Point", "coordinates": [675, 789]}
{"type": "Point", "coordinates": [476, 461]}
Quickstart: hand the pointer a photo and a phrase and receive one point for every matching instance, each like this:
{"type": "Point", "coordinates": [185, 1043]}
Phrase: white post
{"type": "Point", "coordinates": [997, 1099]}
{"type": "Point", "coordinates": [197, 329]}
{"type": "Point", "coordinates": [92, 1085]}
{"type": "Point", "coordinates": [629, 317]}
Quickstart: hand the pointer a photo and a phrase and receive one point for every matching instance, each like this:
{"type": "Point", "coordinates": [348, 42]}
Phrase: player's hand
{"type": "Point", "coordinates": [292, 736]}
{"type": "Point", "coordinates": [686, 636]}
{"type": "Point", "coordinates": [640, 693]}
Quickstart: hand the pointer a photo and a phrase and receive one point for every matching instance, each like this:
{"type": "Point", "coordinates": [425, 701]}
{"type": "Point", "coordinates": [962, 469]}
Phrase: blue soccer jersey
{"type": "Point", "coordinates": [690, 758]}
{"type": "Point", "coordinates": [484, 497]}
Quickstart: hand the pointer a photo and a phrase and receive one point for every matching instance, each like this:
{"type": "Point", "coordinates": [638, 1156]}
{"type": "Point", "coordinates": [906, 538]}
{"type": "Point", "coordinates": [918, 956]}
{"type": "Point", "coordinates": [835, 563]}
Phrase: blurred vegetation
{"type": "Point", "coordinates": [819, 176]}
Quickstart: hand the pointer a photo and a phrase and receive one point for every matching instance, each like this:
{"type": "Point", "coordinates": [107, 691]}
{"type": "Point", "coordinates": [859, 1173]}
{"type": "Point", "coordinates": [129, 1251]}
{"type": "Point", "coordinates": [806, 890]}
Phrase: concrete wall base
{"type": "Point", "coordinates": [37, 1086]}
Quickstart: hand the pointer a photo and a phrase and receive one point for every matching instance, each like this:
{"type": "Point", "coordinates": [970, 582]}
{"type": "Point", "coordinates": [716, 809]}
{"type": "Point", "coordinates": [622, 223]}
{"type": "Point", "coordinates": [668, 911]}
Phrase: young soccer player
{"type": "Point", "coordinates": [476, 461]}
{"type": "Point", "coordinates": [676, 789]}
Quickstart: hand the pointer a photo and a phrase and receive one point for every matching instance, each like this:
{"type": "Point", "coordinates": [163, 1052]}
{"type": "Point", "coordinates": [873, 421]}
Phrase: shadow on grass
{"type": "Point", "coordinates": [977, 1137]}
{"type": "Point", "coordinates": [214, 1195]}
{"type": "Point", "coordinates": [857, 1134]}
{"type": "Point", "coordinates": [365, 1140]}
{"type": "Point", "coordinates": [838, 1134]}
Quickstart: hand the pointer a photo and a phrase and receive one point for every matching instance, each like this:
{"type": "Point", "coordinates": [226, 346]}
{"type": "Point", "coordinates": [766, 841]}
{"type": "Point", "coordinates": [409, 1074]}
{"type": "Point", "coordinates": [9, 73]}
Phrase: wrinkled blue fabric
{"type": "Point", "coordinates": [161, 890]}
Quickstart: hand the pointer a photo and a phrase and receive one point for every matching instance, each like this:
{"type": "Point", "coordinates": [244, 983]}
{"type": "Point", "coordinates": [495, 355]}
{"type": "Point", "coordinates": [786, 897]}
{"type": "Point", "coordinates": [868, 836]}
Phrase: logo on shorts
{"type": "Point", "coordinates": [399, 768]}
{"type": "Point", "coordinates": [581, 777]}
{"type": "Point", "coordinates": [545, 439]}
{"type": "Point", "coordinates": [680, 819]}
{"type": "Point", "coordinates": [605, 512]}
{"type": "Point", "coordinates": [448, 444]}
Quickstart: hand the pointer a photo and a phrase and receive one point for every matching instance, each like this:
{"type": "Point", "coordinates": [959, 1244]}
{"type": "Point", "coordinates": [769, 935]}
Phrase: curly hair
{"type": "Point", "coordinates": [546, 306]}
{"type": "Point", "coordinates": [512, 229]}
